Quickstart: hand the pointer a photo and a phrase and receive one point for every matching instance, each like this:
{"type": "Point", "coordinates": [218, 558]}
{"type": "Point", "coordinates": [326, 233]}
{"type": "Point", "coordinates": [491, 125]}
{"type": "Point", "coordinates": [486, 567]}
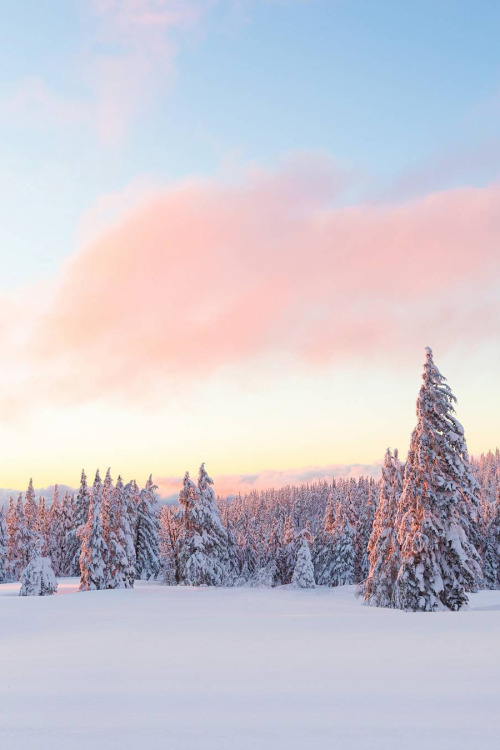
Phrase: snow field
{"type": "Point", "coordinates": [182, 668]}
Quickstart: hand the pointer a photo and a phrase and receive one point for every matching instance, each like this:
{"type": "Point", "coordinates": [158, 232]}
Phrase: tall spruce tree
{"type": "Point", "coordinates": [203, 544]}
{"type": "Point", "coordinates": [343, 567]}
{"type": "Point", "coordinates": [31, 521]}
{"type": "Point", "coordinates": [324, 547]}
{"type": "Point", "coordinates": [55, 547]}
{"type": "Point", "coordinates": [491, 568]}
{"type": "Point", "coordinates": [67, 527]}
{"type": "Point", "coordinates": [94, 556]}
{"type": "Point", "coordinates": [288, 551]}
{"type": "Point", "coordinates": [121, 542]}
{"type": "Point", "coordinates": [147, 551]}
{"type": "Point", "coordinates": [365, 527]}
{"type": "Point", "coordinates": [43, 524]}
{"type": "Point", "coordinates": [4, 552]}
{"type": "Point", "coordinates": [74, 535]}
{"type": "Point", "coordinates": [107, 499]}
{"type": "Point", "coordinates": [383, 546]}
{"type": "Point", "coordinates": [15, 538]}
{"type": "Point", "coordinates": [21, 540]}
{"type": "Point", "coordinates": [439, 562]}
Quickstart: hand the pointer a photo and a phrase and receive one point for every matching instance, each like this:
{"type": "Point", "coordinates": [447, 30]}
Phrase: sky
{"type": "Point", "coordinates": [230, 227]}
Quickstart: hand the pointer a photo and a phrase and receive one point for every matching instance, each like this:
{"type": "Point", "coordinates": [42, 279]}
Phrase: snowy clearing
{"type": "Point", "coordinates": [231, 669]}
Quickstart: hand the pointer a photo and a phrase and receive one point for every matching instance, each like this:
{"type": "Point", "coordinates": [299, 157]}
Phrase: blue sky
{"type": "Point", "coordinates": [383, 87]}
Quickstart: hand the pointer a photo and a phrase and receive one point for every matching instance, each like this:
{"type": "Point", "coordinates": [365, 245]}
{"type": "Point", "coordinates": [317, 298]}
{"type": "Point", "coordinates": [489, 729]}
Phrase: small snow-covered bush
{"type": "Point", "coordinates": [303, 573]}
{"type": "Point", "coordinates": [38, 578]}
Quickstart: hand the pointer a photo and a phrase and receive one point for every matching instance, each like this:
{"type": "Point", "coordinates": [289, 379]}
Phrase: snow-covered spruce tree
{"type": "Point", "coordinates": [270, 569]}
{"type": "Point", "coordinates": [303, 572]}
{"type": "Point", "coordinates": [491, 567]}
{"type": "Point", "coordinates": [31, 521]}
{"type": "Point", "coordinates": [121, 542]}
{"type": "Point", "coordinates": [203, 545]}
{"type": "Point", "coordinates": [67, 528]}
{"type": "Point", "coordinates": [147, 552]}
{"type": "Point", "coordinates": [55, 546]}
{"type": "Point", "coordinates": [42, 523]}
{"type": "Point", "coordinates": [343, 567]}
{"type": "Point", "coordinates": [324, 547]}
{"type": "Point", "coordinates": [94, 556]}
{"type": "Point", "coordinates": [167, 537]}
{"type": "Point", "coordinates": [133, 498]}
{"type": "Point", "coordinates": [4, 553]}
{"type": "Point", "coordinates": [247, 557]}
{"type": "Point", "coordinates": [289, 548]}
{"type": "Point", "coordinates": [21, 540]}
{"type": "Point", "coordinates": [233, 558]}
{"type": "Point", "coordinates": [38, 577]}
{"type": "Point", "coordinates": [15, 538]}
{"type": "Point", "coordinates": [110, 510]}
{"type": "Point", "coordinates": [126, 535]}
{"type": "Point", "coordinates": [365, 528]}
{"type": "Point", "coordinates": [439, 562]}
{"type": "Point", "coordinates": [383, 546]}
{"type": "Point", "coordinates": [107, 498]}
{"type": "Point", "coordinates": [130, 501]}
{"type": "Point", "coordinates": [74, 536]}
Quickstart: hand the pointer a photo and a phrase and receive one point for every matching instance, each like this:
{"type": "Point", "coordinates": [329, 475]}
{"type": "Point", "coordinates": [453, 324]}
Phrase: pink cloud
{"type": "Point", "coordinates": [204, 275]}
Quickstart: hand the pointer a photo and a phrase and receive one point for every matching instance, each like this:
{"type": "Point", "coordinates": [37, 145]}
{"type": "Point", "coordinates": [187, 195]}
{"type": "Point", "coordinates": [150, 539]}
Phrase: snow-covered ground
{"type": "Point", "coordinates": [231, 669]}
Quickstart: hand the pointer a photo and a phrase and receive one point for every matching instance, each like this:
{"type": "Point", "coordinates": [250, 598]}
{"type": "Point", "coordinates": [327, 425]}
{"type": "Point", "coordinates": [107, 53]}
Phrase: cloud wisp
{"type": "Point", "coordinates": [124, 63]}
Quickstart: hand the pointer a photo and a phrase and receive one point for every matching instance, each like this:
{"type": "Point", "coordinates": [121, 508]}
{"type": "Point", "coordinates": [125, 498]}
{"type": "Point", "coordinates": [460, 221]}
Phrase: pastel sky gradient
{"type": "Point", "coordinates": [230, 227]}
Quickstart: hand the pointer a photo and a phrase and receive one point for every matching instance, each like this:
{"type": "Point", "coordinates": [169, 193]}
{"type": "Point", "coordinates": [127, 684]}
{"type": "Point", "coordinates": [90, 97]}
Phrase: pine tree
{"type": "Point", "coordinates": [343, 569]}
{"type": "Point", "coordinates": [4, 552]}
{"type": "Point", "coordinates": [130, 502]}
{"type": "Point", "coordinates": [209, 518]}
{"type": "Point", "coordinates": [74, 536]}
{"type": "Point", "coordinates": [167, 539]}
{"type": "Point", "coordinates": [133, 499]}
{"type": "Point", "coordinates": [287, 556]}
{"type": "Point", "coordinates": [383, 546]}
{"type": "Point", "coordinates": [492, 550]}
{"type": "Point", "coordinates": [274, 553]}
{"type": "Point", "coordinates": [42, 524]}
{"type": "Point", "coordinates": [233, 561]}
{"type": "Point", "coordinates": [38, 578]}
{"type": "Point", "coordinates": [365, 528]}
{"type": "Point", "coordinates": [107, 499]}
{"type": "Point", "coordinates": [67, 528]}
{"type": "Point", "coordinates": [31, 521]}
{"type": "Point", "coordinates": [203, 544]}
{"type": "Point", "coordinates": [94, 558]}
{"type": "Point", "coordinates": [121, 542]}
{"type": "Point", "coordinates": [110, 510]}
{"type": "Point", "coordinates": [324, 547]}
{"type": "Point", "coordinates": [56, 535]}
{"type": "Point", "coordinates": [15, 538]}
{"type": "Point", "coordinates": [303, 572]}
{"type": "Point", "coordinates": [21, 539]}
{"type": "Point", "coordinates": [147, 547]}
{"type": "Point", "coordinates": [439, 562]}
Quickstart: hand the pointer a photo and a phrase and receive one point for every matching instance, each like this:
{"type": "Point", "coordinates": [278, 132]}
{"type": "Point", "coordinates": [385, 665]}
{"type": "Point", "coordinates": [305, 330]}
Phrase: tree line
{"type": "Point", "coordinates": [420, 538]}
